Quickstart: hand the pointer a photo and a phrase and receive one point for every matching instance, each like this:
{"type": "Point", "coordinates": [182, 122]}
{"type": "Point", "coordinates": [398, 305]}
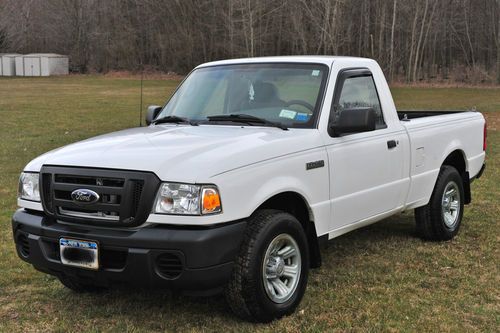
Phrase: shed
{"type": "Point", "coordinates": [42, 64]}
{"type": "Point", "coordinates": [54, 64]}
{"type": "Point", "coordinates": [32, 65]}
{"type": "Point", "coordinates": [8, 64]}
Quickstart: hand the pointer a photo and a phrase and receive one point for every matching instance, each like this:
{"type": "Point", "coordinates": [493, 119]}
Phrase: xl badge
{"type": "Point", "coordinates": [84, 196]}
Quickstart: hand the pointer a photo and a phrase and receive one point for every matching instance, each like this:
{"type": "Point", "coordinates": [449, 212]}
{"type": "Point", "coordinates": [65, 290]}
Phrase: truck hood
{"type": "Point", "coordinates": [179, 152]}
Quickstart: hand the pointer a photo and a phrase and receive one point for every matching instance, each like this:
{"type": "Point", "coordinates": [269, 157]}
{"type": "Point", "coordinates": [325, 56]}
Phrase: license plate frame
{"type": "Point", "coordinates": [79, 253]}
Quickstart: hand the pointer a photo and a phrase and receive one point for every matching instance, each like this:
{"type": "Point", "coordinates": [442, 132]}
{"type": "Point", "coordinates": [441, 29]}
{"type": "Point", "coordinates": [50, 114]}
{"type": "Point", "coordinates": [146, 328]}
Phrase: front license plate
{"type": "Point", "coordinates": [79, 253]}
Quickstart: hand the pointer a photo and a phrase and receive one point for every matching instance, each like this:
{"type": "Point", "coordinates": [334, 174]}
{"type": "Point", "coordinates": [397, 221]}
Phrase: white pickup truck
{"type": "Point", "coordinates": [239, 177]}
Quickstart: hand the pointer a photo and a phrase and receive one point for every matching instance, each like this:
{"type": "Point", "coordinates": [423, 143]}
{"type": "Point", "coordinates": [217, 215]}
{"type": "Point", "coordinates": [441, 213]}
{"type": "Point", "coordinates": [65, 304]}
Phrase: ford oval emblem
{"type": "Point", "coordinates": [84, 196]}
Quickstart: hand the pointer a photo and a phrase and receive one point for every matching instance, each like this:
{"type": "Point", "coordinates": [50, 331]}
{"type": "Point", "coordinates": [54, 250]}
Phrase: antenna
{"type": "Point", "coordinates": [140, 106]}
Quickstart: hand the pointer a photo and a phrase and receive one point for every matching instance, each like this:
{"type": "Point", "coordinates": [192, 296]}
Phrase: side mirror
{"type": "Point", "coordinates": [153, 111]}
{"type": "Point", "coordinates": [354, 121]}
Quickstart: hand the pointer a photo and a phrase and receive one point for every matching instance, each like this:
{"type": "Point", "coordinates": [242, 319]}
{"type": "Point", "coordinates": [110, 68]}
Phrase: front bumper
{"type": "Point", "coordinates": [193, 260]}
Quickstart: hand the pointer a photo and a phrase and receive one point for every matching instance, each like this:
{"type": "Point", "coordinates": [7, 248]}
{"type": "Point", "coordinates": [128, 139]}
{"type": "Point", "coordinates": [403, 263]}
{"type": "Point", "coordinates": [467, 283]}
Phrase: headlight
{"type": "Point", "coordinates": [28, 186]}
{"type": "Point", "coordinates": [187, 199]}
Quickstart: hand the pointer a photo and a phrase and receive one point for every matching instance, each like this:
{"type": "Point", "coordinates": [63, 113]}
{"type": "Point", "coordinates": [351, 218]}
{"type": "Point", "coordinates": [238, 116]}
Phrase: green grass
{"type": "Point", "coordinates": [483, 99]}
{"type": "Point", "coordinates": [380, 278]}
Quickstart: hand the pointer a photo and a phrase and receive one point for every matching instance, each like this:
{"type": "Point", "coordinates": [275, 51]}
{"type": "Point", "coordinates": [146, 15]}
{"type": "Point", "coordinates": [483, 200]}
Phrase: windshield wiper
{"type": "Point", "coordinates": [247, 119]}
{"type": "Point", "coordinates": [174, 119]}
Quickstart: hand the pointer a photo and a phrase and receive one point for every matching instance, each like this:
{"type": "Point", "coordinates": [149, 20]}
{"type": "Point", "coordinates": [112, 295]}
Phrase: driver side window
{"type": "Point", "coordinates": [360, 91]}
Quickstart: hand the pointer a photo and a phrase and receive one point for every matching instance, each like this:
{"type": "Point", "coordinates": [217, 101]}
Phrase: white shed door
{"type": "Point", "coordinates": [32, 66]}
{"type": "Point", "coordinates": [19, 66]}
{"type": "Point", "coordinates": [28, 66]}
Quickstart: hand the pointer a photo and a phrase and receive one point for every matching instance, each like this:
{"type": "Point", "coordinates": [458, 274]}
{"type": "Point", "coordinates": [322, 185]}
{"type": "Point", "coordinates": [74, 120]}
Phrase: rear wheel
{"type": "Point", "coordinates": [440, 219]}
{"type": "Point", "coordinates": [270, 273]}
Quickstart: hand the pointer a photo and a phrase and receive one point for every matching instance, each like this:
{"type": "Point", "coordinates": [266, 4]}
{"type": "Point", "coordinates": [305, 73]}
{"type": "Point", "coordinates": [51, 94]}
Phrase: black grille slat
{"type": "Point", "coordinates": [100, 189]}
{"type": "Point", "coordinates": [67, 204]}
{"type": "Point", "coordinates": [47, 192]}
{"type": "Point", "coordinates": [80, 180]}
{"type": "Point", "coordinates": [136, 196]}
{"type": "Point", "coordinates": [169, 265]}
{"type": "Point", "coordinates": [125, 197]}
{"type": "Point", "coordinates": [63, 195]}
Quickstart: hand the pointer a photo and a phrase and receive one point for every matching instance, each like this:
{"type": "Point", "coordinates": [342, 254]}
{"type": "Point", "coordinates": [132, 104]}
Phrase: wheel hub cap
{"type": "Point", "coordinates": [275, 267]}
{"type": "Point", "coordinates": [281, 268]}
{"type": "Point", "coordinates": [450, 204]}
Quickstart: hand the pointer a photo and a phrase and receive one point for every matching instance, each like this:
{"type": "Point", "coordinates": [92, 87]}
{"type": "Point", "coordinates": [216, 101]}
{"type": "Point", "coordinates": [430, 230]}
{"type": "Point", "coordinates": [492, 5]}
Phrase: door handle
{"type": "Point", "coordinates": [392, 144]}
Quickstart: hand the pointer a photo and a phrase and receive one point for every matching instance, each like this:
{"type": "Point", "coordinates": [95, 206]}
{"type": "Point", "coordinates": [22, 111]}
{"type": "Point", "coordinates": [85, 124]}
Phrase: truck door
{"type": "Point", "coordinates": [366, 169]}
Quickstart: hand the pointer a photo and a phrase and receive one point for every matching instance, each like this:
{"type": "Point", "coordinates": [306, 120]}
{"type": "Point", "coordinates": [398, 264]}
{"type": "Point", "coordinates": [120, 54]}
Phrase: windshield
{"type": "Point", "coordinates": [287, 94]}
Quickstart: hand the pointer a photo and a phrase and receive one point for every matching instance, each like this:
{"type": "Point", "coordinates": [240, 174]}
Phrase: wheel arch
{"type": "Point", "coordinates": [296, 205]}
{"type": "Point", "coordinates": [457, 159]}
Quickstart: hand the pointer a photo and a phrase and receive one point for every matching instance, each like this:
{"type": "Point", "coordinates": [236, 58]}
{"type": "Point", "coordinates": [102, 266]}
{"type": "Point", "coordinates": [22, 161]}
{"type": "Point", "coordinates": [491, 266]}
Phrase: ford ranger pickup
{"type": "Point", "coordinates": [239, 177]}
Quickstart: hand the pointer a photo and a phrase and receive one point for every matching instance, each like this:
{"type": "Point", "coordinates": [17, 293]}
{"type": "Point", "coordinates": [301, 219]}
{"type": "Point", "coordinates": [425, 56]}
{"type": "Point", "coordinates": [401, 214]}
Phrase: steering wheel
{"type": "Point", "coordinates": [301, 103]}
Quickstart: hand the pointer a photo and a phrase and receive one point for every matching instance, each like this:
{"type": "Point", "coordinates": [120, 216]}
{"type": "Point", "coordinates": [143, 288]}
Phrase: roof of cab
{"type": "Point", "coordinates": [327, 60]}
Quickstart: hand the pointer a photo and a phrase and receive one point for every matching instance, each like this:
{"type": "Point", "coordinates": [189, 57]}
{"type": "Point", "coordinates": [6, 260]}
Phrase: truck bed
{"type": "Point", "coordinates": [434, 135]}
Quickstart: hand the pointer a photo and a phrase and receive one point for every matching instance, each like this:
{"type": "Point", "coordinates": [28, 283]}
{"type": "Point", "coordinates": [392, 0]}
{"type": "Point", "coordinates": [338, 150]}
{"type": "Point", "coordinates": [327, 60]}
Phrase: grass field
{"type": "Point", "coordinates": [380, 278]}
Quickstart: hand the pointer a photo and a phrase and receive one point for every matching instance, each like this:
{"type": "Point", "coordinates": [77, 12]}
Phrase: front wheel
{"type": "Point", "coordinates": [440, 219]}
{"type": "Point", "coordinates": [270, 273]}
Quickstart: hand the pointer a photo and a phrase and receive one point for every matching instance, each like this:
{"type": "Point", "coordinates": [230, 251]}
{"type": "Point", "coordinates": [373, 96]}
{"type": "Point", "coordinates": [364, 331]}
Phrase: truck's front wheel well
{"type": "Point", "coordinates": [457, 160]}
{"type": "Point", "coordinates": [294, 204]}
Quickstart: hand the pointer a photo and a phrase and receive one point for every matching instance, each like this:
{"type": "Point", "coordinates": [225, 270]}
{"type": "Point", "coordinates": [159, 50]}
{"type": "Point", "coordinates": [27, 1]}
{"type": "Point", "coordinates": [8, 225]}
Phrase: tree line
{"type": "Point", "coordinates": [413, 40]}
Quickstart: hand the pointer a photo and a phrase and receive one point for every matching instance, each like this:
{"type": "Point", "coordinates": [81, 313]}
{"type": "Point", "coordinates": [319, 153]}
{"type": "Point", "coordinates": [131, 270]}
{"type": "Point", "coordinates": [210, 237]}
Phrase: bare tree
{"type": "Point", "coordinates": [411, 39]}
{"type": "Point", "coordinates": [391, 62]}
{"type": "Point", "coordinates": [497, 39]}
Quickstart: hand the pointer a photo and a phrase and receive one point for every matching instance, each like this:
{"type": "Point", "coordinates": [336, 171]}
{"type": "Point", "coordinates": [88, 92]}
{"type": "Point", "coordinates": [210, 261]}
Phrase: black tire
{"type": "Point", "coordinates": [79, 287]}
{"type": "Point", "coordinates": [246, 292]}
{"type": "Point", "coordinates": [430, 219]}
